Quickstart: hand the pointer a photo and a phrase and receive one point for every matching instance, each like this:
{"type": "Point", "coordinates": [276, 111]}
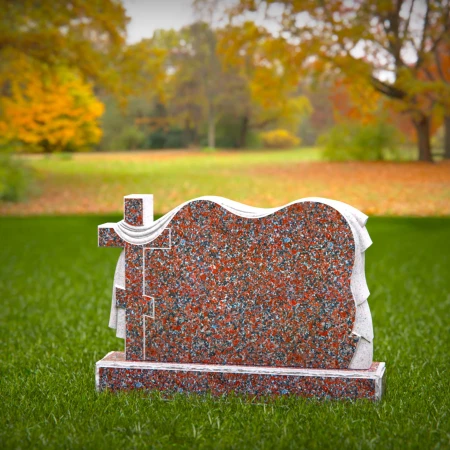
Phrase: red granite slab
{"type": "Point", "coordinates": [270, 291]}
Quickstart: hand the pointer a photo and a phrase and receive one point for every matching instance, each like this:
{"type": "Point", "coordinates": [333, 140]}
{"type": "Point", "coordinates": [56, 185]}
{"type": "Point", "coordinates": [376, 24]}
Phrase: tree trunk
{"type": "Point", "coordinates": [45, 145]}
{"type": "Point", "coordinates": [243, 132]}
{"type": "Point", "coordinates": [211, 128]}
{"type": "Point", "coordinates": [190, 134]}
{"type": "Point", "coordinates": [447, 137]}
{"type": "Point", "coordinates": [423, 138]}
{"type": "Point", "coordinates": [195, 139]}
{"type": "Point", "coordinates": [186, 133]}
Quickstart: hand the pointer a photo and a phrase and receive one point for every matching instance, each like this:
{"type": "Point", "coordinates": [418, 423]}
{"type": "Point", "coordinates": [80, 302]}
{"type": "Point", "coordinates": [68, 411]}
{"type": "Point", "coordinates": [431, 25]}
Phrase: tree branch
{"type": "Point", "coordinates": [408, 20]}
{"type": "Point", "coordinates": [264, 123]}
{"type": "Point", "coordinates": [444, 31]}
{"type": "Point", "coordinates": [422, 42]}
{"type": "Point", "coordinates": [387, 89]}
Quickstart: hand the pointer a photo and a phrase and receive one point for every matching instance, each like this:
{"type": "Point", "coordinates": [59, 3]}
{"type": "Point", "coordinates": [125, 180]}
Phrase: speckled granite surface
{"type": "Point", "coordinates": [215, 286]}
{"type": "Point", "coordinates": [115, 374]}
{"type": "Point", "coordinates": [273, 291]}
{"type": "Point", "coordinates": [133, 211]}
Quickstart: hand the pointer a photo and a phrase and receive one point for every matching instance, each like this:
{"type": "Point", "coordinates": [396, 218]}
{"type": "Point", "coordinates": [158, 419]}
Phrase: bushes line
{"type": "Point", "coordinates": [360, 142]}
{"type": "Point", "coordinates": [16, 179]}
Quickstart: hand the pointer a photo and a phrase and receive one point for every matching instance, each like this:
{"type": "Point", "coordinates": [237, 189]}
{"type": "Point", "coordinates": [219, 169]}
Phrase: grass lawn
{"type": "Point", "coordinates": [95, 183]}
{"type": "Point", "coordinates": [55, 286]}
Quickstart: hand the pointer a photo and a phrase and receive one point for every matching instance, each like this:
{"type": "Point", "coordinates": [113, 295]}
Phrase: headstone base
{"type": "Point", "coordinates": [114, 373]}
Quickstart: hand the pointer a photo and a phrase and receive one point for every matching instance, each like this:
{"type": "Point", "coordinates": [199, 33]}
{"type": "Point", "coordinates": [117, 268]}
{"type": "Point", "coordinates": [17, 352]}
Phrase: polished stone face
{"type": "Point", "coordinates": [218, 297]}
{"type": "Point", "coordinates": [217, 288]}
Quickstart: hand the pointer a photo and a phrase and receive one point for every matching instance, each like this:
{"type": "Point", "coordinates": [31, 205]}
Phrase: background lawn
{"type": "Point", "coordinates": [55, 288]}
{"type": "Point", "coordinates": [95, 183]}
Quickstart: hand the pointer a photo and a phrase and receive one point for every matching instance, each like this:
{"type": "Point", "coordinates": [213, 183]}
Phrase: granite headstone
{"type": "Point", "coordinates": [217, 296]}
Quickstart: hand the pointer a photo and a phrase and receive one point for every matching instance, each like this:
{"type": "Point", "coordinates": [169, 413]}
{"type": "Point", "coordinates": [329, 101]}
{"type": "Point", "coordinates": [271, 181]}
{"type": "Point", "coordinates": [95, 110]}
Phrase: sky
{"type": "Point", "coordinates": [150, 15]}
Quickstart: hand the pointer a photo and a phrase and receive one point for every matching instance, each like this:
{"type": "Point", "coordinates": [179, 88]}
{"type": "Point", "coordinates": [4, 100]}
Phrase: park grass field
{"type": "Point", "coordinates": [95, 183]}
{"type": "Point", "coordinates": [55, 288]}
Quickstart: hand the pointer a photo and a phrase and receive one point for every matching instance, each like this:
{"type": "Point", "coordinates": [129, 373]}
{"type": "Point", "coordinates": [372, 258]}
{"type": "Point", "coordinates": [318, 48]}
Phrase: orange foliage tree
{"type": "Point", "coordinates": [50, 111]}
{"type": "Point", "coordinates": [435, 82]}
{"type": "Point", "coordinates": [352, 101]}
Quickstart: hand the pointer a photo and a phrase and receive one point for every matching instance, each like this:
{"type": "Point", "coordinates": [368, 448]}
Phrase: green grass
{"type": "Point", "coordinates": [55, 287]}
{"type": "Point", "coordinates": [141, 163]}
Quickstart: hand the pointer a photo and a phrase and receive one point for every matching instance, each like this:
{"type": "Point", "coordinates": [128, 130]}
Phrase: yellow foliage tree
{"type": "Point", "coordinates": [50, 111]}
{"type": "Point", "coordinates": [264, 65]}
{"type": "Point", "coordinates": [83, 34]}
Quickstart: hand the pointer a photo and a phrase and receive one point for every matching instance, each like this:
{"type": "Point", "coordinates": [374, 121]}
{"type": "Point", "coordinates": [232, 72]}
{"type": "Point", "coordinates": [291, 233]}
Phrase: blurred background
{"type": "Point", "coordinates": [262, 101]}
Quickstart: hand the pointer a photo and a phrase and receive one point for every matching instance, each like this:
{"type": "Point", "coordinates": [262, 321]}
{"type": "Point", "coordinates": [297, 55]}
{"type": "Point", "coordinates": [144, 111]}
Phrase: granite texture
{"type": "Point", "coordinates": [273, 291]}
{"type": "Point", "coordinates": [115, 374]}
{"type": "Point", "coordinates": [247, 293]}
{"type": "Point", "coordinates": [137, 211]}
{"type": "Point", "coordinates": [107, 236]}
{"type": "Point", "coordinates": [134, 211]}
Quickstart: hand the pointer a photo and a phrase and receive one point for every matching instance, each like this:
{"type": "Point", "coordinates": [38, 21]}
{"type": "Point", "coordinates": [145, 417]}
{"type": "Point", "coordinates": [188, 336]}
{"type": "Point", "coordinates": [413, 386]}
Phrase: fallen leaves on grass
{"type": "Point", "coordinates": [96, 185]}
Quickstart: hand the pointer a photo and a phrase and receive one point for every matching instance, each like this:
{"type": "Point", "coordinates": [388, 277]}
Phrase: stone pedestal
{"type": "Point", "coordinates": [114, 373]}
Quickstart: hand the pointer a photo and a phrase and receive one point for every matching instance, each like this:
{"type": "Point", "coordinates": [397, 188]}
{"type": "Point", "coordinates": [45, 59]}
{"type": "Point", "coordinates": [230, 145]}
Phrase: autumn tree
{"type": "Point", "coordinates": [50, 111]}
{"type": "Point", "coordinates": [353, 102]}
{"type": "Point", "coordinates": [82, 34]}
{"type": "Point", "coordinates": [198, 77]}
{"type": "Point", "coordinates": [208, 11]}
{"type": "Point", "coordinates": [144, 65]}
{"type": "Point", "coordinates": [195, 83]}
{"type": "Point", "coordinates": [386, 43]}
{"type": "Point", "coordinates": [175, 77]}
{"type": "Point", "coordinates": [442, 62]}
{"type": "Point", "coordinates": [60, 48]}
{"type": "Point", "coordinates": [260, 77]}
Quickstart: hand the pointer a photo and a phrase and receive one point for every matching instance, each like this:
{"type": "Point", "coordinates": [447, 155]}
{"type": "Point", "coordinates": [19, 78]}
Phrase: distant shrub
{"type": "Point", "coordinates": [254, 140]}
{"type": "Point", "coordinates": [174, 139]}
{"type": "Point", "coordinates": [157, 139]}
{"type": "Point", "coordinates": [16, 179]}
{"type": "Point", "coordinates": [357, 142]}
{"type": "Point", "coordinates": [279, 139]}
{"type": "Point", "coordinates": [209, 150]}
{"type": "Point", "coordinates": [131, 138]}
{"type": "Point", "coordinates": [65, 156]}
